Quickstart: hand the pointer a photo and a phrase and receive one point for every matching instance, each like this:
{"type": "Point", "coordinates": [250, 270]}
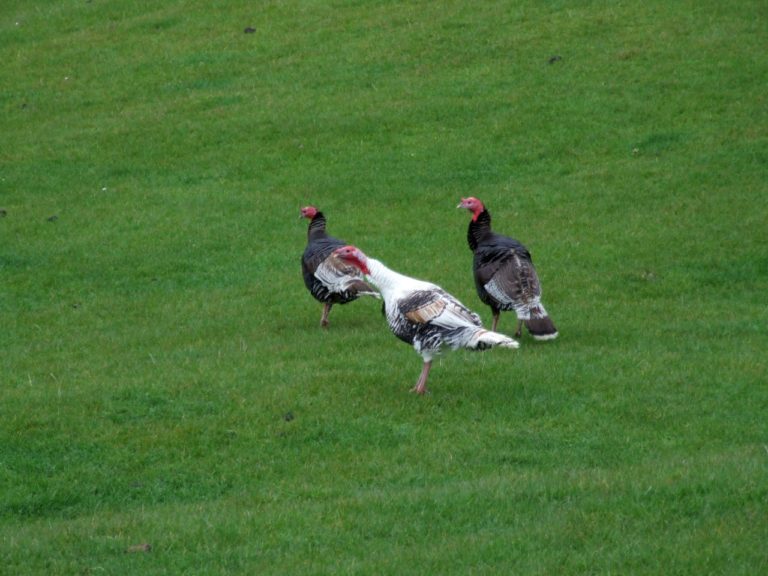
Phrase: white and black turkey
{"type": "Point", "coordinates": [423, 314]}
{"type": "Point", "coordinates": [505, 277]}
{"type": "Point", "coordinates": [328, 278]}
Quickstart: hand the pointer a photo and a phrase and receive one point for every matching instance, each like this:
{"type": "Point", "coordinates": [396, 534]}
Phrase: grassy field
{"type": "Point", "coordinates": [168, 402]}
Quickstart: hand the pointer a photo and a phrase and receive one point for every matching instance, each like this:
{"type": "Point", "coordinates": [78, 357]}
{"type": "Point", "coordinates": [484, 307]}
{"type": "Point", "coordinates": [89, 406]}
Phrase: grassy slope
{"type": "Point", "coordinates": [163, 376]}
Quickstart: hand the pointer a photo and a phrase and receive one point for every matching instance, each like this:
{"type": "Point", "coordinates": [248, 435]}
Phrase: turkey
{"type": "Point", "coordinates": [329, 279]}
{"type": "Point", "coordinates": [504, 275]}
{"type": "Point", "coordinates": [423, 314]}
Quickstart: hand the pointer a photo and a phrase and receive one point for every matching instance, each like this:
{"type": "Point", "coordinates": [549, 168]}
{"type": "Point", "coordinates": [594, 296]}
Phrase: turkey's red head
{"type": "Point", "coordinates": [354, 256]}
{"type": "Point", "coordinates": [473, 205]}
{"type": "Point", "coordinates": [308, 212]}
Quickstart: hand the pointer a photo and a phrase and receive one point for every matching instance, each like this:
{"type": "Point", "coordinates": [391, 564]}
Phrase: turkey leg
{"type": "Point", "coordinates": [421, 384]}
{"type": "Point", "coordinates": [326, 311]}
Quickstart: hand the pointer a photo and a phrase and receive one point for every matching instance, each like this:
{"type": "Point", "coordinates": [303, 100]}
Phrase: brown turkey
{"type": "Point", "coordinates": [505, 277]}
{"type": "Point", "coordinates": [327, 277]}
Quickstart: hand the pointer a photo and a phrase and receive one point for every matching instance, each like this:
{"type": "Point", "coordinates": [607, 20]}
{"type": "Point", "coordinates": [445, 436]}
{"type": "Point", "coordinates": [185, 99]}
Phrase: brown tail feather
{"type": "Point", "coordinates": [542, 328]}
{"type": "Point", "coordinates": [363, 288]}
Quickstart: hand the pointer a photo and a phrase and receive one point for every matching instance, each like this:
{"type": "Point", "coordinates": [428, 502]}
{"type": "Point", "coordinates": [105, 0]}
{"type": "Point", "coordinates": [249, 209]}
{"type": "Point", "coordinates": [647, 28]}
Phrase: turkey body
{"type": "Point", "coordinates": [504, 274]}
{"type": "Point", "coordinates": [329, 279]}
{"type": "Point", "coordinates": [424, 315]}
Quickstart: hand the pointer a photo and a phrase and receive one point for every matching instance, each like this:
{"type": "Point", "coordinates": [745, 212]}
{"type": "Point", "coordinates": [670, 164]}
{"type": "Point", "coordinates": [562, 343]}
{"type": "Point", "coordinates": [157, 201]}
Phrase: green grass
{"type": "Point", "coordinates": [163, 378]}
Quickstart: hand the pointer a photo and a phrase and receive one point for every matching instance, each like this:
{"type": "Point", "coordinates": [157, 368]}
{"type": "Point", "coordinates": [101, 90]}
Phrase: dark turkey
{"type": "Point", "coordinates": [505, 277]}
{"type": "Point", "coordinates": [328, 278]}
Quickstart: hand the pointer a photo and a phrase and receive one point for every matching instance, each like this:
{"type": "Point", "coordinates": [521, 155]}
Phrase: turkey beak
{"type": "Point", "coordinates": [461, 204]}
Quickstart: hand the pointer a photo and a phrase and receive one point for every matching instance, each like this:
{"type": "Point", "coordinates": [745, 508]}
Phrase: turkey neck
{"type": "Point", "coordinates": [479, 229]}
{"type": "Point", "coordinates": [387, 281]}
{"type": "Point", "coordinates": [316, 227]}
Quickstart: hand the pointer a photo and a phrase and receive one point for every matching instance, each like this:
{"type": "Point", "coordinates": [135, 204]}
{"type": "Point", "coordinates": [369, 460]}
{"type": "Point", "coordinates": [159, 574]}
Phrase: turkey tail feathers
{"type": "Point", "coordinates": [363, 289]}
{"type": "Point", "coordinates": [539, 323]}
{"type": "Point", "coordinates": [483, 339]}
{"type": "Point", "coordinates": [542, 328]}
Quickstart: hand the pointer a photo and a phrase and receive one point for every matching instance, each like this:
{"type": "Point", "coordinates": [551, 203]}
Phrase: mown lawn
{"type": "Point", "coordinates": [168, 402]}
